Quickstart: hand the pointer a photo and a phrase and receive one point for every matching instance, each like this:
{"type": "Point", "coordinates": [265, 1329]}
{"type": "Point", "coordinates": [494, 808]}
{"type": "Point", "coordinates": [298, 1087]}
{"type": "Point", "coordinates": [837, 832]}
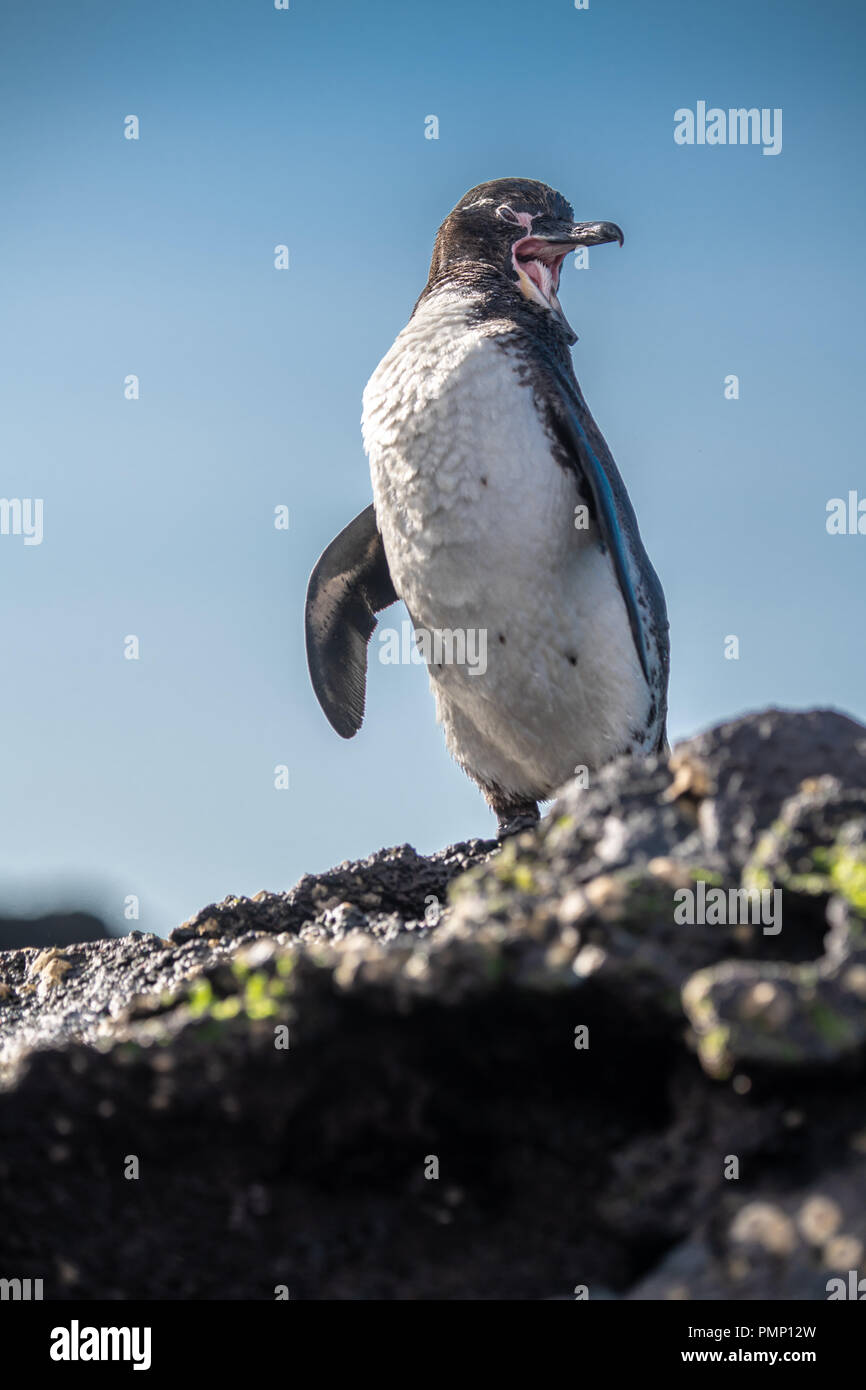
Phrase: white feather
{"type": "Point", "coordinates": [477, 520]}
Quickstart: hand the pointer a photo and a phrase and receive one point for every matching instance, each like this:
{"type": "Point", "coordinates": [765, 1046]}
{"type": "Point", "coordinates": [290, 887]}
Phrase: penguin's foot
{"type": "Point", "coordinates": [514, 817]}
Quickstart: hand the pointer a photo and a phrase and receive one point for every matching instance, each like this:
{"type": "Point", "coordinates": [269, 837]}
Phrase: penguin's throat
{"type": "Point", "coordinates": [537, 264]}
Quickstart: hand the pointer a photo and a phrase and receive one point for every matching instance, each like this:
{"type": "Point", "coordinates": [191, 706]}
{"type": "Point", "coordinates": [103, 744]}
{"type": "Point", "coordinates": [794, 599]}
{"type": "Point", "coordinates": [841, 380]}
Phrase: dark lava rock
{"type": "Point", "coordinates": [490, 1073]}
{"type": "Point", "coordinates": [385, 891]}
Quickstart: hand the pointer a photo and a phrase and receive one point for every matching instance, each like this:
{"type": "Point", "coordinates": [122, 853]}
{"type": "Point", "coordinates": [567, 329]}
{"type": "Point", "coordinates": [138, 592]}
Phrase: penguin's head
{"type": "Point", "coordinates": [523, 229]}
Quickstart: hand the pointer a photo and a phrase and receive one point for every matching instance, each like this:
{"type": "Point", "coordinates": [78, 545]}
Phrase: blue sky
{"type": "Point", "coordinates": [156, 257]}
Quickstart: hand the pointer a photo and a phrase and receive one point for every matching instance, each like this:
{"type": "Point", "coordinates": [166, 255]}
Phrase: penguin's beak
{"type": "Point", "coordinates": [593, 234]}
{"type": "Point", "coordinates": [538, 259]}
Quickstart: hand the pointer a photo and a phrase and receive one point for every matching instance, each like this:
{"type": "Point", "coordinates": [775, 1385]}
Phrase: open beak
{"type": "Point", "coordinates": [538, 259]}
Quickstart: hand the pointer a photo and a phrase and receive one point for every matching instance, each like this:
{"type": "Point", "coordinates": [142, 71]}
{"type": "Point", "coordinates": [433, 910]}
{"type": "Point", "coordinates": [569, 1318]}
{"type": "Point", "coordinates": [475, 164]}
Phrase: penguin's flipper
{"type": "Point", "coordinates": [350, 584]}
{"type": "Point", "coordinates": [570, 418]}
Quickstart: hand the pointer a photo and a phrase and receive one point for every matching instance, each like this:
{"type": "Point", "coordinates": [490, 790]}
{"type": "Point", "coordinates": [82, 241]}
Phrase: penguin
{"type": "Point", "coordinates": [500, 519]}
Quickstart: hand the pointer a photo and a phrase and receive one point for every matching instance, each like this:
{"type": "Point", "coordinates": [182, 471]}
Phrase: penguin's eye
{"type": "Point", "coordinates": [508, 214]}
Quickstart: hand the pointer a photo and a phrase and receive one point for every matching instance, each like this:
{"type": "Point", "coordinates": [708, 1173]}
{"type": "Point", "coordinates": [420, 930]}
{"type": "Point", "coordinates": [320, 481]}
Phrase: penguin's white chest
{"type": "Point", "coordinates": [540, 673]}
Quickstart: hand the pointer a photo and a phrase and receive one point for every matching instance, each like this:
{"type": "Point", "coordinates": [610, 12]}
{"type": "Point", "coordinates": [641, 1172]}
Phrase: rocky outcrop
{"type": "Point", "coordinates": [622, 1054]}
